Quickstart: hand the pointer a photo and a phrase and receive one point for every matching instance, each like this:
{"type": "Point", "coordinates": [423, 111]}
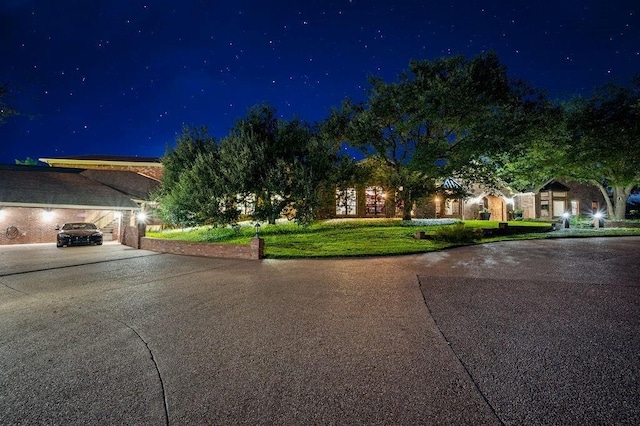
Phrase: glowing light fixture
{"type": "Point", "coordinates": [48, 215]}
{"type": "Point", "coordinates": [142, 217]}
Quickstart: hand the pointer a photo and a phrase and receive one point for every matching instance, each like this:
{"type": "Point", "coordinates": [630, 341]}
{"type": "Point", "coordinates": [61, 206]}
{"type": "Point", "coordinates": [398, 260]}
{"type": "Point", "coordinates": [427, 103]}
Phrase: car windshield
{"type": "Point", "coordinates": [70, 226]}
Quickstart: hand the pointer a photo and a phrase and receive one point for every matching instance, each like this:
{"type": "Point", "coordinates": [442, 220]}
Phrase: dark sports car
{"type": "Point", "coordinates": [78, 233]}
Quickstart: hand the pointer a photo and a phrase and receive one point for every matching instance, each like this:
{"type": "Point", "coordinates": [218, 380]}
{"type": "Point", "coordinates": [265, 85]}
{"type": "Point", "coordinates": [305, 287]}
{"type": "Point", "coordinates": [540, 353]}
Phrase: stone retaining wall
{"type": "Point", "coordinates": [255, 250]}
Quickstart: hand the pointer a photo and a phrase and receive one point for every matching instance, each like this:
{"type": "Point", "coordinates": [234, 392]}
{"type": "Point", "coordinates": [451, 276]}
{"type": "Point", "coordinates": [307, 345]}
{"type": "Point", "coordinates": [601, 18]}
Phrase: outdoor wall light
{"type": "Point", "coordinates": [257, 226]}
{"type": "Point", "coordinates": [142, 217]}
{"type": "Point", "coordinates": [48, 215]}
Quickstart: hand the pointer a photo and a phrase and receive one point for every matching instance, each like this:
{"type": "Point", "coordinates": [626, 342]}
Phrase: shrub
{"type": "Point", "coordinates": [457, 234]}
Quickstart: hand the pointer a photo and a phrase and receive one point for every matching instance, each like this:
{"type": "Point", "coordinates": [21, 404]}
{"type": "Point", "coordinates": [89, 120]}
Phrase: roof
{"type": "Point", "coordinates": [131, 184]}
{"type": "Point", "coordinates": [104, 160]}
{"type": "Point", "coordinates": [554, 185]}
{"type": "Point", "coordinates": [450, 183]}
{"type": "Point", "coordinates": [52, 187]}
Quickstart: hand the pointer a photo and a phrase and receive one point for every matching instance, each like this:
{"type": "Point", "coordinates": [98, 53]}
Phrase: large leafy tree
{"type": "Point", "coordinates": [192, 189]}
{"type": "Point", "coordinates": [604, 142]}
{"type": "Point", "coordinates": [441, 118]}
{"type": "Point", "coordinates": [593, 140]}
{"type": "Point", "coordinates": [279, 165]}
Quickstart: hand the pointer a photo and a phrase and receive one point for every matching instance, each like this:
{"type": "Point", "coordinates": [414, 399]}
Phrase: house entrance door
{"type": "Point", "coordinates": [559, 207]}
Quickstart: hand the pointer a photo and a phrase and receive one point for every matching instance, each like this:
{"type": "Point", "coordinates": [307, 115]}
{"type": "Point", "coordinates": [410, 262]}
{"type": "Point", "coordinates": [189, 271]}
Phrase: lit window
{"type": "Point", "coordinates": [346, 201]}
{"type": "Point", "coordinates": [375, 197]}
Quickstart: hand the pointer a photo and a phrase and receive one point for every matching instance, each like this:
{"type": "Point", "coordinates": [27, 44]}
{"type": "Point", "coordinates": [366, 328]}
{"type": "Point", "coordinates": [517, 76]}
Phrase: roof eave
{"type": "Point", "coordinates": [68, 206]}
{"type": "Point", "coordinates": [64, 161]}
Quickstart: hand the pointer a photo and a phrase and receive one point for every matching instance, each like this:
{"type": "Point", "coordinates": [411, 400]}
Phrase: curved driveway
{"type": "Point", "coordinates": [532, 332]}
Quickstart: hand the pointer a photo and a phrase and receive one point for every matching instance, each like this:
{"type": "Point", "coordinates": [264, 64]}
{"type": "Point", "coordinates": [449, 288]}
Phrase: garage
{"type": "Point", "coordinates": [34, 200]}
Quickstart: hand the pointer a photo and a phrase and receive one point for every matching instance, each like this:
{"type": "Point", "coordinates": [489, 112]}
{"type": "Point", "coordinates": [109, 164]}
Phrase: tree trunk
{"type": "Point", "coordinates": [605, 194]}
{"type": "Point", "coordinates": [407, 204]}
{"type": "Point", "coordinates": [406, 210]}
{"type": "Point", "coordinates": [620, 197]}
{"type": "Point", "coordinates": [617, 204]}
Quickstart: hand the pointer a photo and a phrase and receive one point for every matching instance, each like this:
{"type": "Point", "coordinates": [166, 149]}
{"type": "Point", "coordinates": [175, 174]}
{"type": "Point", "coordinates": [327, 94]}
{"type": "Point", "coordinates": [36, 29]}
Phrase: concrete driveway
{"type": "Point", "coordinates": [533, 332]}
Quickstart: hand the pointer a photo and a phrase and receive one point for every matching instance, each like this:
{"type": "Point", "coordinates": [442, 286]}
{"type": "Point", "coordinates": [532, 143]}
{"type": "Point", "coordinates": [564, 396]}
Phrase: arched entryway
{"type": "Point", "coordinates": [496, 206]}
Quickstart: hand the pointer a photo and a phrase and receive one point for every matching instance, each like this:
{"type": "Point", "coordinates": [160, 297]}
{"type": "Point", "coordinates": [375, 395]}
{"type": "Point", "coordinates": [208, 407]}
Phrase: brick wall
{"type": "Point", "coordinates": [586, 194]}
{"type": "Point", "coordinates": [28, 225]}
{"type": "Point", "coordinates": [254, 251]}
{"type": "Point", "coordinates": [132, 236]}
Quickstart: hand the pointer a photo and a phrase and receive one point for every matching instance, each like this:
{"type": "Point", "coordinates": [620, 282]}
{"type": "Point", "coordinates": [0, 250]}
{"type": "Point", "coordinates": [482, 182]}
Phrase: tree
{"type": "Point", "coordinates": [191, 192]}
{"type": "Point", "coordinates": [591, 140]}
{"type": "Point", "coordinates": [6, 111]}
{"type": "Point", "coordinates": [280, 165]}
{"type": "Point", "coordinates": [535, 157]}
{"type": "Point", "coordinates": [604, 142]}
{"type": "Point", "coordinates": [27, 162]}
{"type": "Point", "coordinates": [440, 119]}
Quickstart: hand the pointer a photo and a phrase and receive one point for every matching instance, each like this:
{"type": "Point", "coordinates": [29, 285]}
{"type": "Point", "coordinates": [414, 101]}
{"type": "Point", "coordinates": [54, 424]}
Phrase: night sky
{"type": "Point", "coordinates": [121, 77]}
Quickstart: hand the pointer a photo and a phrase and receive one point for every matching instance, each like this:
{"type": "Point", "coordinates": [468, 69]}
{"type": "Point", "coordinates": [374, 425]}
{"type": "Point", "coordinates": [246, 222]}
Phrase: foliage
{"type": "Point", "coordinates": [27, 162]}
{"type": "Point", "coordinates": [604, 131]}
{"type": "Point", "coordinates": [441, 118]}
{"type": "Point", "coordinates": [276, 166]}
{"type": "Point", "coordinates": [6, 110]}
{"type": "Point", "coordinates": [533, 159]}
{"type": "Point", "coordinates": [283, 164]}
{"type": "Point", "coordinates": [191, 192]}
{"type": "Point", "coordinates": [591, 140]}
{"type": "Point", "coordinates": [457, 234]}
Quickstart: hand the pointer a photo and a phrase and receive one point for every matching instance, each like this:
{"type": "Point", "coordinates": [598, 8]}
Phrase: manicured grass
{"type": "Point", "coordinates": [360, 237]}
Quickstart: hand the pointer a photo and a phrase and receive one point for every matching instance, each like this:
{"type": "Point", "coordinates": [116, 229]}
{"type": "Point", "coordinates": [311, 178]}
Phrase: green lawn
{"type": "Point", "coordinates": [360, 237]}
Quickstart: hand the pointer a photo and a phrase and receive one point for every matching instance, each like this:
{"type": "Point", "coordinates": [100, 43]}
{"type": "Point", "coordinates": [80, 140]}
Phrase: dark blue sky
{"type": "Point", "coordinates": [121, 77]}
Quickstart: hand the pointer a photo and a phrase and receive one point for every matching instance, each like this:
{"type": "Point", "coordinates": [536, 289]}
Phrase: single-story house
{"type": "Point", "coordinates": [453, 200]}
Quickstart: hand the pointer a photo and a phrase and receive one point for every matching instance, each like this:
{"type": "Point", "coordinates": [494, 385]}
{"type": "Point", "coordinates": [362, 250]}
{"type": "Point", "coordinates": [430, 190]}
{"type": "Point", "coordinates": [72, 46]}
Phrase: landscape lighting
{"type": "Point", "coordinates": [257, 226]}
{"type": "Point", "coordinates": [598, 221]}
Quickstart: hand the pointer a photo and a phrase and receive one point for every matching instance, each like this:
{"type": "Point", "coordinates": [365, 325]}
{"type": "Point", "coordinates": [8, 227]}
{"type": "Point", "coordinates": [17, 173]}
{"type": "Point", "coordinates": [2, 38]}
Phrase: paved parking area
{"type": "Point", "coordinates": [507, 333]}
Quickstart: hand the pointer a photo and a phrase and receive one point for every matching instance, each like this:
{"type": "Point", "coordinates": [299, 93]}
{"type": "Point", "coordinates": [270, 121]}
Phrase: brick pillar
{"type": "Point", "coordinates": [257, 248]}
{"type": "Point", "coordinates": [142, 231]}
{"type": "Point", "coordinates": [124, 220]}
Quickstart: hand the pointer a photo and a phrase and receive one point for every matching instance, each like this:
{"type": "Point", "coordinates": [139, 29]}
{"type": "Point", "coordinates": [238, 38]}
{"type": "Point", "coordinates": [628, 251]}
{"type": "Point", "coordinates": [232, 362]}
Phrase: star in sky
{"type": "Point", "coordinates": [123, 77]}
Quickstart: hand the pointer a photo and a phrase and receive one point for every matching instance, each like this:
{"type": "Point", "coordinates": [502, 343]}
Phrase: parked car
{"type": "Point", "coordinates": [78, 233]}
